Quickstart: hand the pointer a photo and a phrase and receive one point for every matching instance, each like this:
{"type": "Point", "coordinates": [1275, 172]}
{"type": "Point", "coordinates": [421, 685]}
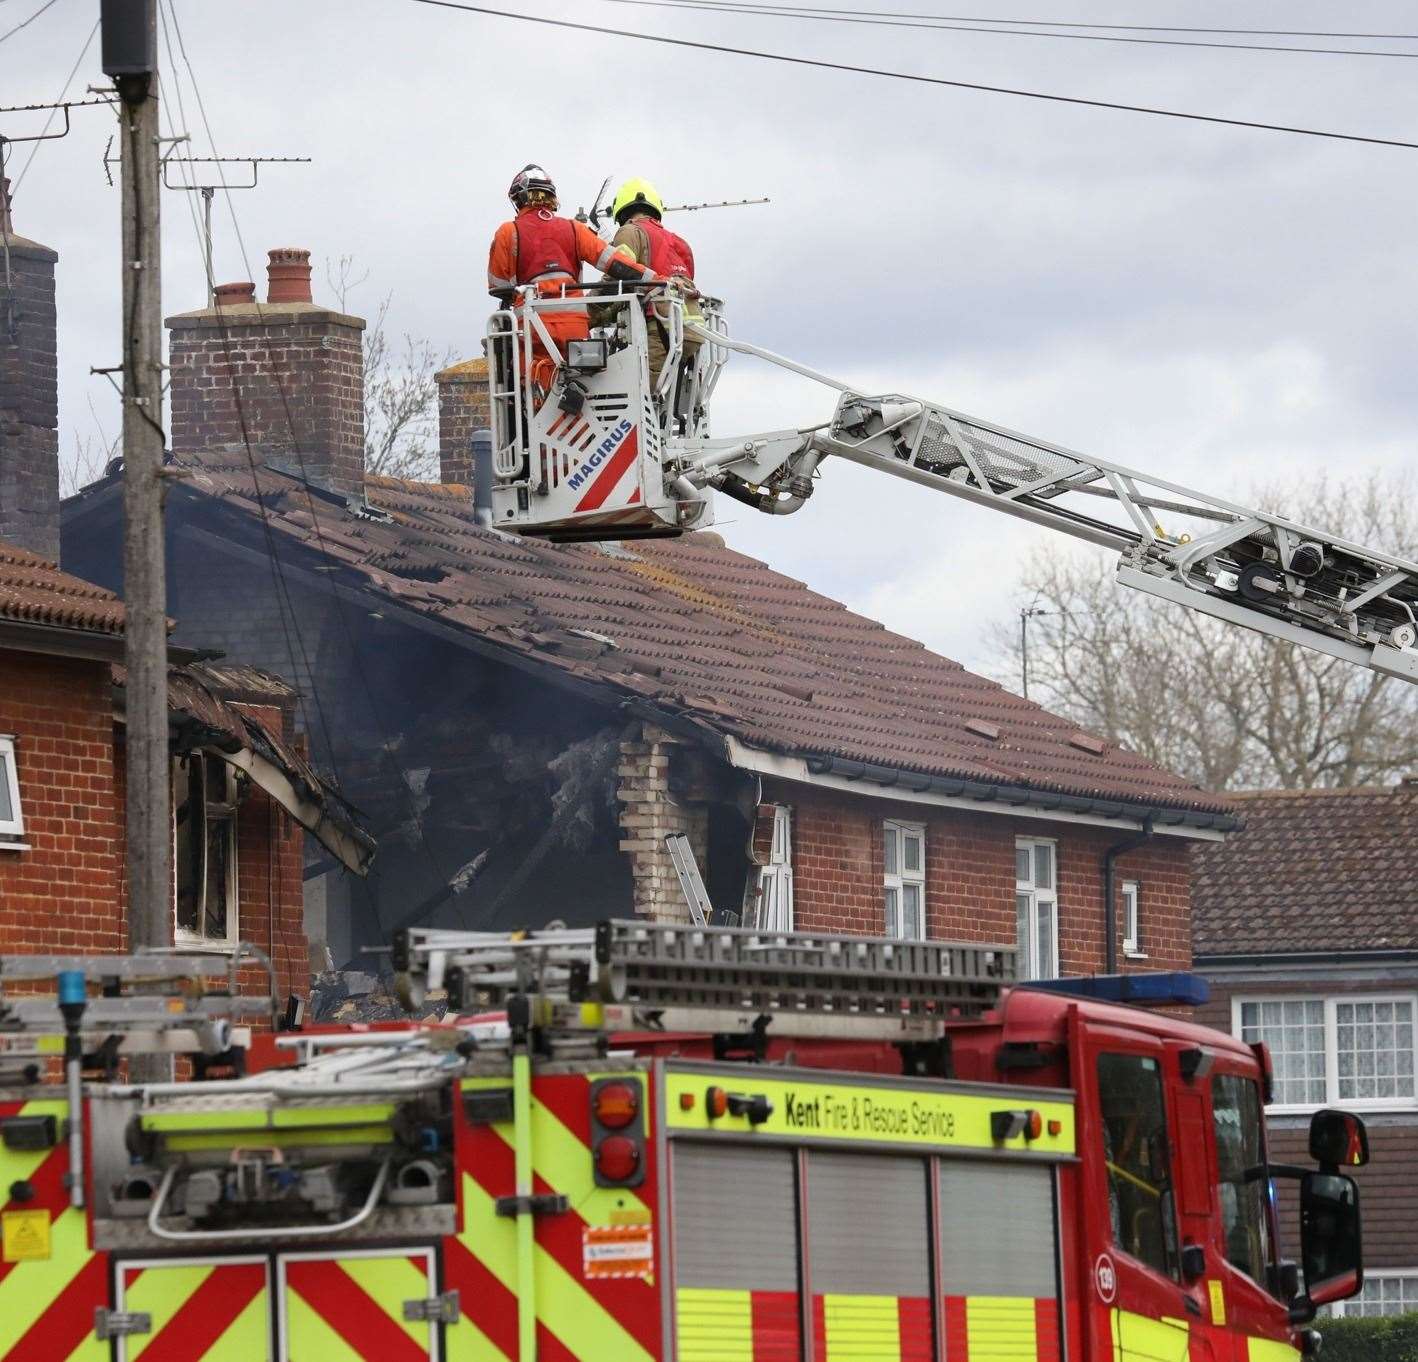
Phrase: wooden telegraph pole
{"type": "Point", "coordinates": [130, 60]}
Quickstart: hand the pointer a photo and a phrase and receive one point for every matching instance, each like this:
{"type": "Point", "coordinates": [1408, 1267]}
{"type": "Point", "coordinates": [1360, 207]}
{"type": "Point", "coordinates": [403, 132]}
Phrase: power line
{"type": "Point", "coordinates": [386, 744]}
{"type": "Point", "coordinates": [882, 21]}
{"type": "Point", "coordinates": [1078, 23]}
{"type": "Point", "coordinates": [58, 103]}
{"type": "Point", "coordinates": [27, 22]}
{"type": "Point", "coordinates": [922, 80]}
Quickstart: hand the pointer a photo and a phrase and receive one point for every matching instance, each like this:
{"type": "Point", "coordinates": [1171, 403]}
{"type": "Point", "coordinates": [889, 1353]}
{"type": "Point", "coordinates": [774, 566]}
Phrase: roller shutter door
{"type": "Point", "coordinates": [736, 1254]}
{"type": "Point", "coordinates": [998, 1264]}
{"type": "Point", "coordinates": [869, 1257]}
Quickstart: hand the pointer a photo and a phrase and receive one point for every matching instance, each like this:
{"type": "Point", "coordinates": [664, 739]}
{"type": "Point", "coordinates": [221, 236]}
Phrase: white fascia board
{"type": "Point", "coordinates": [781, 767]}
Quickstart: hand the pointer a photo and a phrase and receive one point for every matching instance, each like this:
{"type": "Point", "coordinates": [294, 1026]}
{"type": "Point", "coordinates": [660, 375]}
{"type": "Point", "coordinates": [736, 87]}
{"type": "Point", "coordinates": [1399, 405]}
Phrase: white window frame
{"type": "Point", "coordinates": [894, 828]}
{"type": "Point", "coordinates": [1349, 1308]}
{"type": "Point", "coordinates": [1028, 949]}
{"type": "Point", "coordinates": [1331, 1050]}
{"type": "Point", "coordinates": [1131, 896]}
{"type": "Point", "coordinates": [12, 827]}
{"type": "Point", "coordinates": [774, 911]}
{"type": "Point", "coordinates": [182, 935]}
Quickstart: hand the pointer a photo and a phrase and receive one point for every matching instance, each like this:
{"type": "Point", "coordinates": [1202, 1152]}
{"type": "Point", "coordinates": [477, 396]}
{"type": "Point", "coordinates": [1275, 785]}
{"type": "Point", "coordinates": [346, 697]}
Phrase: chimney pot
{"type": "Point", "coordinates": [288, 276]}
{"type": "Point", "coordinates": [7, 227]}
{"type": "Point", "coordinates": [233, 295]}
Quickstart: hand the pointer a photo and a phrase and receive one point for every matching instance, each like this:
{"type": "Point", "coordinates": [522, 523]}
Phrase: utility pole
{"type": "Point", "coordinates": [130, 59]}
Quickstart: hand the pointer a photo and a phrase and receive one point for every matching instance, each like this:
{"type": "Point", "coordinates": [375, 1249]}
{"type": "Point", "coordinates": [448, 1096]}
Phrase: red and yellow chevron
{"type": "Point", "coordinates": [47, 1302]}
{"type": "Point", "coordinates": [215, 1311]}
{"type": "Point", "coordinates": [1002, 1329]}
{"type": "Point", "coordinates": [349, 1307]}
{"type": "Point", "coordinates": [579, 1318]}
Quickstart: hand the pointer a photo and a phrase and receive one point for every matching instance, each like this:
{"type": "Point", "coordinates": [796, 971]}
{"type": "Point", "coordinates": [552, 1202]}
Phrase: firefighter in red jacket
{"type": "Point", "coordinates": [643, 238]}
{"type": "Point", "coordinates": [540, 247]}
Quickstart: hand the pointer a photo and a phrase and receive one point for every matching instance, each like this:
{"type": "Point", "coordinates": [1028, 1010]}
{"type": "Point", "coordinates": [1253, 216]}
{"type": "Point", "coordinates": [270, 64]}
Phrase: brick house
{"type": "Point", "coordinates": [242, 796]}
{"type": "Point", "coordinates": [524, 723]}
{"type": "Point", "coordinates": [1306, 925]}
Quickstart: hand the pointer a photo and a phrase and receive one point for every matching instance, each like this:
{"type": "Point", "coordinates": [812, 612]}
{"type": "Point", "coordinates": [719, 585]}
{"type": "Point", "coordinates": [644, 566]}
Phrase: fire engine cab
{"type": "Point", "coordinates": [647, 1143]}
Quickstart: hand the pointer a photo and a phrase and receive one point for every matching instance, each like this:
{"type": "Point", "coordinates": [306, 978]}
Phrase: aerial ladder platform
{"type": "Point", "coordinates": [613, 452]}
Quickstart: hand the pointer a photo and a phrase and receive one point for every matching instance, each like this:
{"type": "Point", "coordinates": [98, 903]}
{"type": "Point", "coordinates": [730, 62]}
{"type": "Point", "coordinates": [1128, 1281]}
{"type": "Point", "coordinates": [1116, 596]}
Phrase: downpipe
{"type": "Point", "coordinates": [1110, 890]}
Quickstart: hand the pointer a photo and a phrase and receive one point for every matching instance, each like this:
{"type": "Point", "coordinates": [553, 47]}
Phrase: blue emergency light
{"type": "Point", "coordinates": [1157, 987]}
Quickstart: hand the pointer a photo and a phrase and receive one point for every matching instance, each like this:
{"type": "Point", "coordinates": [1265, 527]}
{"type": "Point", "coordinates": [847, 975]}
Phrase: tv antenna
{"type": "Point", "coordinates": [209, 191]}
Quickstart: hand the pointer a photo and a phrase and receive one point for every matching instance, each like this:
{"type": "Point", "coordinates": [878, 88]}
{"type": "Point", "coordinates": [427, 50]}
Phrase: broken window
{"type": "Point", "coordinates": [904, 862]}
{"type": "Point", "coordinates": [775, 878]}
{"type": "Point", "coordinates": [12, 823]}
{"type": "Point", "coordinates": [204, 848]}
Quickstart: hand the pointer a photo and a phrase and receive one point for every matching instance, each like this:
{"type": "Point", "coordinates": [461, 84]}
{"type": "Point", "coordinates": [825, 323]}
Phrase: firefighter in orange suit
{"type": "Point", "coordinates": [642, 237]}
{"type": "Point", "coordinates": [540, 247]}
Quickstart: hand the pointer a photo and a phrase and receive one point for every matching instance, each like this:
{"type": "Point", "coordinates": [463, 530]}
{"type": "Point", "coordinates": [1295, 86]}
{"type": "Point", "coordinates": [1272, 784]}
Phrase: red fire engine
{"type": "Point", "coordinates": [702, 1144]}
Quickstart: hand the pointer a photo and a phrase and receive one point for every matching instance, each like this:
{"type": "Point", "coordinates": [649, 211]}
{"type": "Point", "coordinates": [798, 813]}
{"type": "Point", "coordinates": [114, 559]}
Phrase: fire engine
{"type": "Point", "coordinates": [650, 1141]}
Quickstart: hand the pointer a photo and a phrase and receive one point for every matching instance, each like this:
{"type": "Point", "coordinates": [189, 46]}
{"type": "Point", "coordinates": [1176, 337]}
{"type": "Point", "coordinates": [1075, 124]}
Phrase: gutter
{"type": "Point", "coordinates": [1334, 959]}
{"type": "Point", "coordinates": [1021, 801]}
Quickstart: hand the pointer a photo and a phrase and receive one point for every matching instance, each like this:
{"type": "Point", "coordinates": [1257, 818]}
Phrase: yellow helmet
{"type": "Point", "coordinates": [637, 194]}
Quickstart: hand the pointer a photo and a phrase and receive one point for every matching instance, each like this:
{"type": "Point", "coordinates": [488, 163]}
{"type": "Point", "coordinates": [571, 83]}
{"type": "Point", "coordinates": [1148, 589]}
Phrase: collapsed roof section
{"type": "Point", "coordinates": [696, 636]}
{"type": "Point", "coordinates": [209, 707]}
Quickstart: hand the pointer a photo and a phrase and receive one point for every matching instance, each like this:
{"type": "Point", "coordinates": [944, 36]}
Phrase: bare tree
{"type": "Point", "coordinates": [400, 393]}
{"type": "Point", "coordinates": [1229, 708]}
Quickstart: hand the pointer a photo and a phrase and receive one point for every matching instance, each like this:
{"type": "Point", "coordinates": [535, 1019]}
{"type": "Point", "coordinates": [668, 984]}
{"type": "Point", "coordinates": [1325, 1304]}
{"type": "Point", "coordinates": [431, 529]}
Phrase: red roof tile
{"type": "Point", "coordinates": [34, 591]}
{"type": "Point", "coordinates": [699, 629]}
{"type": "Point", "coordinates": [1312, 870]}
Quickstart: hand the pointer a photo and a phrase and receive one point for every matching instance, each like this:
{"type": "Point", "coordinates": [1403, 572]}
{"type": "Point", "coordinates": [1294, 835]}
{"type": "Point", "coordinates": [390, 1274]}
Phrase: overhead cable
{"type": "Point", "coordinates": [940, 26]}
{"type": "Point", "coordinates": [10, 33]}
{"type": "Point", "coordinates": [920, 79]}
{"type": "Point", "coordinates": [1079, 23]}
{"type": "Point", "coordinates": [58, 104]}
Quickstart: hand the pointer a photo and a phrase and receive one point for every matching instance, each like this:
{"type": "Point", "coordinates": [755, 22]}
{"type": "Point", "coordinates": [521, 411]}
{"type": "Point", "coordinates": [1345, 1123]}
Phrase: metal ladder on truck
{"type": "Point", "coordinates": [618, 467]}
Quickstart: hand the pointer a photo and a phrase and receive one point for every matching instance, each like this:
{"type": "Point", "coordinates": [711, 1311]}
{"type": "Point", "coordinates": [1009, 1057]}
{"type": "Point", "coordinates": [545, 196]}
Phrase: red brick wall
{"type": "Point", "coordinates": [62, 894]}
{"type": "Point", "coordinates": [1388, 1187]}
{"type": "Point", "coordinates": [837, 876]}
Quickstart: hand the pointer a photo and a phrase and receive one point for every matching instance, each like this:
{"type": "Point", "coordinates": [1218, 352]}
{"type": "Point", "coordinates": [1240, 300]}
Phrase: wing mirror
{"type": "Point", "coordinates": [1330, 1242]}
{"type": "Point", "coordinates": [1338, 1139]}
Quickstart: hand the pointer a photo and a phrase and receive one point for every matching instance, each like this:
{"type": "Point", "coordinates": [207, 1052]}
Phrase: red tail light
{"type": "Point", "coordinates": [618, 1132]}
{"type": "Point", "coordinates": [617, 1159]}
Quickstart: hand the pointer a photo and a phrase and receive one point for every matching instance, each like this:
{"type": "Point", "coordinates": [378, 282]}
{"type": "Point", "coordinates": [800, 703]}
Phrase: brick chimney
{"type": "Point", "coordinates": [29, 391]}
{"type": "Point", "coordinates": [462, 409]}
{"type": "Point", "coordinates": [290, 367]}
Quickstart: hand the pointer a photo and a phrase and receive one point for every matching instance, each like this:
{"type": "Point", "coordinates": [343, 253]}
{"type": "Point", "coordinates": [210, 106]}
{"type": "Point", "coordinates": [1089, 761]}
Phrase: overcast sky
{"type": "Point", "coordinates": [1221, 305]}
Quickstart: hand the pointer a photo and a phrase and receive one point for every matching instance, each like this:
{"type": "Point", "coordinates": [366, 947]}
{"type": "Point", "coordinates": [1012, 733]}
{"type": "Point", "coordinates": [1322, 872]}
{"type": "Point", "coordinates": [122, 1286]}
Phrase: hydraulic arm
{"type": "Point", "coordinates": [566, 472]}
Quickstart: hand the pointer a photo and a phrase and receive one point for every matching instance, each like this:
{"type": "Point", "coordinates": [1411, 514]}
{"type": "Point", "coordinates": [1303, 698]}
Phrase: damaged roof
{"type": "Point", "coordinates": [208, 707]}
{"type": "Point", "coordinates": [699, 633]}
{"type": "Point", "coordinates": [34, 591]}
{"type": "Point", "coordinates": [1313, 870]}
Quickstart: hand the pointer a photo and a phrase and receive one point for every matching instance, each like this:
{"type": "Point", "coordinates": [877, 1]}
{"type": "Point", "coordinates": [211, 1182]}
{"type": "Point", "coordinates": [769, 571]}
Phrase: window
{"type": "Point", "coordinates": [1131, 939]}
{"type": "Point", "coordinates": [1236, 1114]}
{"type": "Point", "coordinates": [904, 861]}
{"type": "Point", "coordinates": [204, 848]}
{"type": "Point", "coordinates": [775, 880]}
{"type": "Point", "coordinates": [1384, 1293]}
{"type": "Point", "coordinates": [12, 822]}
{"type": "Point", "coordinates": [1354, 1050]}
{"type": "Point", "coordinates": [1037, 905]}
{"type": "Point", "coordinates": [1134, 1129]}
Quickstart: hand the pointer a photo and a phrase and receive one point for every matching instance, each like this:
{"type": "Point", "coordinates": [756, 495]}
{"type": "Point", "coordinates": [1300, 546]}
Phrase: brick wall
{"type": "Point", "coordinates": [1389, 1185]}
{"type": "Point", "coordinates": [298, 370]}
{"type": "Point", "coordinates": [64, 893]}
{"type": "Point", "coordinates": [838, 872]}
{"type": "Point", "coordinates": [29, 400]}
{"type": "Point", "coordinates": [462, 409]}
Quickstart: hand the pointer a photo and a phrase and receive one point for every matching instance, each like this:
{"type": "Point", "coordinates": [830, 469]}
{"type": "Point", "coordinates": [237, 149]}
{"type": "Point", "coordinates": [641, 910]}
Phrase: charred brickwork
{"type": "Point", "coordinates": [285, 376]}
{"type": "Point", "coordinates": [29, 391]}
{"type": "Point", "coordinates": [462, 409]}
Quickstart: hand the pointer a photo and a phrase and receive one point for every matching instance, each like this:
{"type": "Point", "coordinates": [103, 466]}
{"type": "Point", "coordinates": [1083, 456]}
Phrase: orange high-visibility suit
{"type": "Point", "coordinates": [540, 247]}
